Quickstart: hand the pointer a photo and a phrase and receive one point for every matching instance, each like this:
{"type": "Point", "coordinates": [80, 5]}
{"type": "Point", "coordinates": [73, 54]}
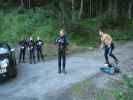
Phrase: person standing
{"type": "Point", "coordinates": [31, 46]}
{"type": "Point", "coordinates": [62, 43]}
{"type": "Point", "coordinates": [23, 46]}
{"type": "Point", "coordinates": [107, 43]}
{"type": "Point", "coordinates": [39, 49]}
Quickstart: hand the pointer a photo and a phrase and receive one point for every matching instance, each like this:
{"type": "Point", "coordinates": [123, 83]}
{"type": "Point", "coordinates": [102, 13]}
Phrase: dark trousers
{"type": "Point", "coordinates": [40, 54]}
{"type": "Point", "coordinates": [108, 52]}
{"type": "Point", "coordinates": [32, 56]}
{"type": "Point", "coordinates": [61, 60]}
{"type": "Point", "coordinates": [22, 55]}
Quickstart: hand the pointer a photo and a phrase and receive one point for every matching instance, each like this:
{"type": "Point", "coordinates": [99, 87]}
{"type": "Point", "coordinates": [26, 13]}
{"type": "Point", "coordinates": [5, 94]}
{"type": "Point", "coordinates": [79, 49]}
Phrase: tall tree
{"type": "Point", "coordinates": [115, 10]}
{"type": "Point", "coordinates": [90, 8]}
{"type": "Point", "coordinates": [110, 5]}
{"type": "Point", "coordinates": [73, 8]}
{"type": "Point", "coordinates": [81, 8]}
{"type": "Point", "coordinates": [22, 3]}
{"type": "Point", "coordinates": [29, 4]}
{"type": "Point", "coordinates": [96, 8]}
{"type": "Point", "coordinates": [130, 4]}
{"type": "Point", "coordinates": [101, 7]}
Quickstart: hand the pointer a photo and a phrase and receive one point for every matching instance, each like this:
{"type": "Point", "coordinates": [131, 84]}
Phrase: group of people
{"type": "Point", "coordinates": [62, 43]}
{"type": "Point", "coordinates": [33, 48]}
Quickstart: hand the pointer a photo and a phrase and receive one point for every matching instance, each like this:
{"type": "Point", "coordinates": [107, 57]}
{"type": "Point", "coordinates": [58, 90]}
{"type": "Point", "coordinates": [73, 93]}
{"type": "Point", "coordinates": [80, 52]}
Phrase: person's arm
{"type": "Point", "coordinates": [42, 42]}
{"type": "Point", "coordinates": [57, 40]}
{"type": "Point", "coordinates": [102, 42]}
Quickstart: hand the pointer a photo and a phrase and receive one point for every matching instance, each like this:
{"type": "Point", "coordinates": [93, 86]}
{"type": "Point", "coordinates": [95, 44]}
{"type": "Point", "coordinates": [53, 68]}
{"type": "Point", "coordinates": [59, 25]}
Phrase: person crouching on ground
{"type": "Point", "coordinates": [62, 43]}
{"type": "Point", "coordinates": [107, 43]}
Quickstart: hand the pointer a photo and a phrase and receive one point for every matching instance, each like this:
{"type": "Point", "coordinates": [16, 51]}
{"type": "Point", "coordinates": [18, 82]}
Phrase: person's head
{"type": "Point", "coordinates": [101, 32]}
{"type": "Point", "coordinates": [31, 38]}
{"type": "Point", "coordinates": [38, 38]}
{"type": "Point", "coordinates": [62, 33]}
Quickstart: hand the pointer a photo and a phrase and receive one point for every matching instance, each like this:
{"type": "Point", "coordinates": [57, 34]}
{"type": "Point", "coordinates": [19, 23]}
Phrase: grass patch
{"type": "Point", "coordinates": [80, 89]}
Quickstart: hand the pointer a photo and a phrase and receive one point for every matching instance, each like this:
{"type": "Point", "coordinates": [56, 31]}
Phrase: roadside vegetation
{"type": "Point", "coordinates": [109, 89]}
{"type": "Point", "coordinates": [17, 23]}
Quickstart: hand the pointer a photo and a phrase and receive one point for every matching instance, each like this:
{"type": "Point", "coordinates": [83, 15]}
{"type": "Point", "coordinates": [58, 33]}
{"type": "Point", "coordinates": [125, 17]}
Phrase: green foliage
{"type": "Point", "coordinates": [80, 89]}
{"type": "Point", "coordinates": [121, 36]}
{"type": "Point", "coordinates": [126, 91]}
{"type": "Point", "coordinates": [14, 26]}
{"type": "Point", "coordinates": [110, 22]}
{"type": "Point", "coordinates": [46, 23]}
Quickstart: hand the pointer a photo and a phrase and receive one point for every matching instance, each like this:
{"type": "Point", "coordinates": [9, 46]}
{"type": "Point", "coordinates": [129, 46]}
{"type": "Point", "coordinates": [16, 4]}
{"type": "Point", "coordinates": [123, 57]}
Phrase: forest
{"type": "Point", "coordinates": [84, 8]}
{"type": "Point", "coordinates": [80, 18]}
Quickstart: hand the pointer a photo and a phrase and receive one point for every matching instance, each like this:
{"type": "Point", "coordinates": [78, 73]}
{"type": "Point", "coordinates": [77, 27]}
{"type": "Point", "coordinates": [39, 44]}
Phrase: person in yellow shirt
{"type": "Point", "coordinates": [107, 43]}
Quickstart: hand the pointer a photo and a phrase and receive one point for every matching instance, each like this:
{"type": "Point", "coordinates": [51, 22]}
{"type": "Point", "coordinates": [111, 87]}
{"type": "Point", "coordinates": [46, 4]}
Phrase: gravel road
{"type": "Point", "coordinates": [35, 81]}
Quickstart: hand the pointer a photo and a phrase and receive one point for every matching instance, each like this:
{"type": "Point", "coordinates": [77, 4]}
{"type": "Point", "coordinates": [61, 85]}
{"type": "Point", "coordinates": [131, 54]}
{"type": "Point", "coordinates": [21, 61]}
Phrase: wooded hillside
{"type": "Point", "coordinates": [85, 8]}
{"type": "Point", "coordinates": [80, 18]}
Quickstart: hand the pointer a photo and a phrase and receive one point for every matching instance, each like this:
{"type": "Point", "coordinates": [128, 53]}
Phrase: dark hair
{"type": "Point", "coordinates": [102, 29]}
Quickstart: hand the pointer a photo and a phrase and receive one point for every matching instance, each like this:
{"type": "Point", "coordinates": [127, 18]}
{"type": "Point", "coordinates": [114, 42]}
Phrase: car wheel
{"type": "Point", "coordinates": [12, 70]}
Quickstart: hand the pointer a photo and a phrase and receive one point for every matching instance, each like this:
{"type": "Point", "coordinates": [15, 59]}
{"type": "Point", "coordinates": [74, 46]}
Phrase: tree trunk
{"type": "Point", "coordinates": [90, 8]}
{"type": "Point", "coordinates": [63, 13]}
{"type": "Point", "coordinates": [22, 3]}
{"type": "Point", "coordinates": [115, 10]}
{"type": "Point", "coordinates": [29, 2]}
{"type": "Point", "coordinates": [73, 8]}
{"type": "Point", "coordinates": [101, 7]}
{"type": "Point", "coordinates": [110, 5]}
{"type": "Point", "coordinates": [81, 9]}
{"type": "Point", "coordinates": [130, 10]}
{"type": "Point", "coordinates": [96, 8]}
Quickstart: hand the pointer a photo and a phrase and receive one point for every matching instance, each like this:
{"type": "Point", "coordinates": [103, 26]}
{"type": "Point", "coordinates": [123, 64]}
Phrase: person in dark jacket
{"type": "Point", "coordinates": [23, 46]}
{"type": "Point", "coordinates": [31, 46]}
{"type": "Point", "coordinates": [39, 49]}
{"type": "Point", "coordinates": [62, 42]}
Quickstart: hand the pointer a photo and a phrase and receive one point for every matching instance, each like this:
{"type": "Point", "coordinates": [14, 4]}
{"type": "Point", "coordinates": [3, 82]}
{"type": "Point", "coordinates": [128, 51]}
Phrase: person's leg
{"type": "Point", "coordinates": [59, 62]}
{"type": "Point", "coordinates": [41, 53]}
{"type": "Point", "coordinates": [38, 55]}
{"type": "Point", "coordinates": [64, 61]}
{"type": "Point", "coordinates": [112, 55]}
{"type": "Point", "coordinates": [24, 51]}
{"type": "Point", "coordinates": [30, 57]}
{"type": "Point", "coordinates": [20, 56]}
{"type": "Point", "coordinates": [106, 55]}
{"type": "Point", "coordinates": [33, 56]}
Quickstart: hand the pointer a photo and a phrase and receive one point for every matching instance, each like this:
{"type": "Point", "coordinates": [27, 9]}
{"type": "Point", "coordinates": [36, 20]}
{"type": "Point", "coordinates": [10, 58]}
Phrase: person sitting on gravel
{"type": "Point", "coordinates": [62, 43]}
{"type": "Point", "coordinates": [107, 43]}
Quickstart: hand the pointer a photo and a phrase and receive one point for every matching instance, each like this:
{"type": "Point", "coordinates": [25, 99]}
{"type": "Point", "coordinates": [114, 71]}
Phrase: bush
{"type": "Point", "coordinates": [109, 22]}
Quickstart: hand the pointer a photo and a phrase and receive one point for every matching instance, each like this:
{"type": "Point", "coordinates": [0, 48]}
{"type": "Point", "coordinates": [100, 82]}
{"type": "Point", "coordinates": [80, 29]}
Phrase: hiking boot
{"type": "Point", "coordinates": [59, 72]}
{"type": "Point", "coordinates": [64, 71]}
{"type": "Point", "coordinates": [106, 65]}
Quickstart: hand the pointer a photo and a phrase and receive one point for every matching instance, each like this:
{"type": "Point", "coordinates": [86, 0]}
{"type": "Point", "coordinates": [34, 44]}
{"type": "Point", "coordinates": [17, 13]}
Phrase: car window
{"type": "Point", "coordinates": [4, 49]}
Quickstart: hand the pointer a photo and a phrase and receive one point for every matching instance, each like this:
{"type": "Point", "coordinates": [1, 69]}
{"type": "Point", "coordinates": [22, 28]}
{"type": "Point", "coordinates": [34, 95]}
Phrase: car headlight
{"type": "Point", "coordinates": [4, 65]}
